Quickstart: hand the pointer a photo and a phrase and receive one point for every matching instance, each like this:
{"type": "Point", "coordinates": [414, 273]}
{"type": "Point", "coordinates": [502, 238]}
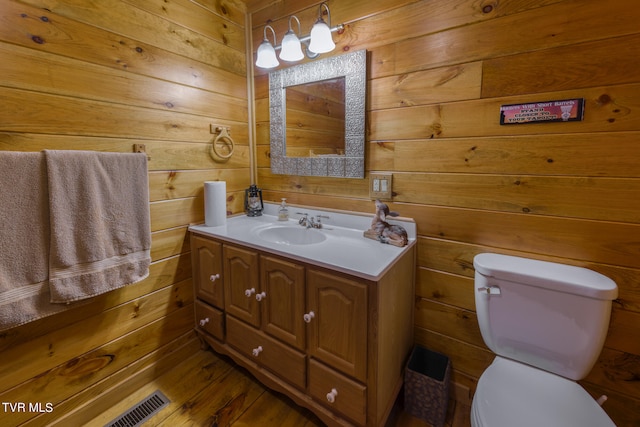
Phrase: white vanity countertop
{"type": "Point", "coordinates": [345, 248]}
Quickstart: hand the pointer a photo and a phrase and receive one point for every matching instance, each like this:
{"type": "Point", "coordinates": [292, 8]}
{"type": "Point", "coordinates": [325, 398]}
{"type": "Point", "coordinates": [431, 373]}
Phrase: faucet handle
{"type": "Point", "coordinates": [303, 219]}
{"type": "Point", "coordinates": [319, 217]}
{"type": "Point", "coordinates": [318, 222]}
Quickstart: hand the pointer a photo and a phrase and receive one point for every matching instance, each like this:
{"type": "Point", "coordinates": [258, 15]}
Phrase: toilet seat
{"type": "Point", "coordinates": [510, 394]}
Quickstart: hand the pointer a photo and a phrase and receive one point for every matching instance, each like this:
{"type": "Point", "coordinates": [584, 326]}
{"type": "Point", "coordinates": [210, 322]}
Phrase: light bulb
{"type": "Point", "coordinates": [321, 40]}
{"type": "Point", "coordinates": [291, 49]}
{"type": "Point", "coordinates": [266, 57]}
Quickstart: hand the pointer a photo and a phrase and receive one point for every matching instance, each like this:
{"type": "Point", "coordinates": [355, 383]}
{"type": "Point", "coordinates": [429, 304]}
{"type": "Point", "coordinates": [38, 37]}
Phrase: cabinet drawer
{"type": "Point", "coordinates": [270, 353]}
{"type": "Point", "coordinates": [210, 320]}
{"type": "Point", "coordinates": [350, 397]}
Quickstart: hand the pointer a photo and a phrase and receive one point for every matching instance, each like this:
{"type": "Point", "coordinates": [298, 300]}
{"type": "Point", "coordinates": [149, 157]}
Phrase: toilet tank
{"type": "Point", "coordinates": [548, 315]}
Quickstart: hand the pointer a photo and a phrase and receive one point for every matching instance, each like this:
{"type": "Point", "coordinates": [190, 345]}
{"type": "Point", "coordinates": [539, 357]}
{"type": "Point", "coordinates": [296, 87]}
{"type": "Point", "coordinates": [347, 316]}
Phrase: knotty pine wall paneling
{"type": "Point", "coordinates": [439, 70]}
{"type": "Point", "coordinates": [104, 75]}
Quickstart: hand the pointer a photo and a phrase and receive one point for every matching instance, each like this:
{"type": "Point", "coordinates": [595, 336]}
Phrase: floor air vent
{"type": "Point", "coordinates": [142, 411]}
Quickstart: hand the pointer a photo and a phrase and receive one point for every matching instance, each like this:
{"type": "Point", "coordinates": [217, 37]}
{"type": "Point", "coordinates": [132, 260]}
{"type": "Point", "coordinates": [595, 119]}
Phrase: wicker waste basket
{"type": "Point", "coordinates": [426, 385]}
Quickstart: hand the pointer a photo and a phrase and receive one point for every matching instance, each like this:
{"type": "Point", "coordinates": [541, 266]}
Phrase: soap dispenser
{"type": "Point", "coordinates": [283, 212]}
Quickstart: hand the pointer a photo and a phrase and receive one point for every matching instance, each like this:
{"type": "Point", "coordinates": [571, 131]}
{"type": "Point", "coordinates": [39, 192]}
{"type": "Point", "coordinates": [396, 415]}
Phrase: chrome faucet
{"type": "Point", "coordinates": [307, 222]}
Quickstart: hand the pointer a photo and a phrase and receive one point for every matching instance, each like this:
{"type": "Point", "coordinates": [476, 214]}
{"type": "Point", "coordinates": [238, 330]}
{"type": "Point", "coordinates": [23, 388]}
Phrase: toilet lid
{"type": "Point", "coordinates": [513, 394]}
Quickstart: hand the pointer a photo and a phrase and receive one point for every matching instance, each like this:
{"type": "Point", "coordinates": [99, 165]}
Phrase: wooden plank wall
{"type": "Point", "coordinates": [105, 75]}
{"type": "Point", "coordinates": [439, 70]}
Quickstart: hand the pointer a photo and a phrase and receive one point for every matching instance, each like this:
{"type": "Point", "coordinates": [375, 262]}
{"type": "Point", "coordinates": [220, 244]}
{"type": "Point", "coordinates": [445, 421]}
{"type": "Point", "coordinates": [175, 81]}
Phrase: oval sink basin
{"type": "Point", "coordinates": [292, 235]}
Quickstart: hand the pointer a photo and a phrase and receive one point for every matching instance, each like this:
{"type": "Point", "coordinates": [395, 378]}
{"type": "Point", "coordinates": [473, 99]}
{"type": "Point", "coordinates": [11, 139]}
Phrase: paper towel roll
{"type": "Point", "coordinates": [215, 203]}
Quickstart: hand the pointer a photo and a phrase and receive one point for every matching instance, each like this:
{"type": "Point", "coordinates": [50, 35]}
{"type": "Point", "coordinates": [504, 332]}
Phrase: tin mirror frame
{"type": "Point", "coordinates": [351, 66]}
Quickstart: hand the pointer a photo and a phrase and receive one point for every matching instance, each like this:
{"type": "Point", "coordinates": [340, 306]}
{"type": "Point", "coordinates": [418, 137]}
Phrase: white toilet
{"type": "Point", "coordinates": [547, 323]}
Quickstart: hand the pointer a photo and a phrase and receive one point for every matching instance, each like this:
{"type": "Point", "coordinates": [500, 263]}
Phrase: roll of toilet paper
{"type": "Point", "coordinates": [215, 203]}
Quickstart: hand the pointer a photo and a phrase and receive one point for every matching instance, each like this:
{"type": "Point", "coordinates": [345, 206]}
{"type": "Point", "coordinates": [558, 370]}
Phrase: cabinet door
{"type": "Point", "coordinates": [207, 270]}
{"type": "Point", "coordinates": [241, 284]}
{"type": "Point", "coordinates": [283, 306]}
{"type": "Point", "coordinates": [338, 331]}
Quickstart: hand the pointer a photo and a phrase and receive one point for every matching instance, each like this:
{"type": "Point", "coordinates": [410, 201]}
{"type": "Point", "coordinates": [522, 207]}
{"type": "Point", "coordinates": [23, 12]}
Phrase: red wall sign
{"type": "Point", "coordinates": [566, 110]}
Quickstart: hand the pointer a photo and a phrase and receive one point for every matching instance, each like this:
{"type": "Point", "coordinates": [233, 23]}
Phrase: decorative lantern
{"type": "Point", "coordinates": [253, 201]}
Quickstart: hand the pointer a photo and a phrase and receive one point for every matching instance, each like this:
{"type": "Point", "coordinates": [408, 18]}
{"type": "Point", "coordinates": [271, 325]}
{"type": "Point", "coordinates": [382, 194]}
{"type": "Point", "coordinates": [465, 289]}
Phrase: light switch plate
{"type": "Point", "coordinates": [380, 186]}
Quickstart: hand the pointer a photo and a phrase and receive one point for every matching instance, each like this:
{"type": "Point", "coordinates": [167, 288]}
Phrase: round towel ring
{"type": "Point", "coordinates": [223, 137]}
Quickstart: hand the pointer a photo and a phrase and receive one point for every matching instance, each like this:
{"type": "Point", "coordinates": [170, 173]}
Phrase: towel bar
{"type": "Point", "coordinates": [141, 148]}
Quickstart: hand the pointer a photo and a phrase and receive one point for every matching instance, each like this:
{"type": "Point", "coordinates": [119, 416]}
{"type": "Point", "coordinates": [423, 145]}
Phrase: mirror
{"type": "Point", "coordinates": [317, 117]}
{"type": "Point", "coordinates": [315, 122]}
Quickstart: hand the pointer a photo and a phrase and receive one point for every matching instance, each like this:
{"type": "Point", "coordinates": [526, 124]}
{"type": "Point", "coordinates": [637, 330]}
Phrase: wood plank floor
{"type": "Point", "coordinates": [210, 390]}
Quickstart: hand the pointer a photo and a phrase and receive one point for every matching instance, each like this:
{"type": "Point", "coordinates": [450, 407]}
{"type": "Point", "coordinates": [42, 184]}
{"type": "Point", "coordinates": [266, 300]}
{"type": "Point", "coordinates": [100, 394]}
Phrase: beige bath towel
{"type": "Point", "coordinates": [24, 239]}
{"type": "Point", "coordinates": [74, 225]}
{"type": "Point", "coordinates": [100, 225]}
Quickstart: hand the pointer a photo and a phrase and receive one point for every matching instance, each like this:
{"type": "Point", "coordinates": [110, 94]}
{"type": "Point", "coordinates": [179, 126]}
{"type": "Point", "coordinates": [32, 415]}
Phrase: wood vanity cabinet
{"type": "Point", "coordinates": [334, 343]}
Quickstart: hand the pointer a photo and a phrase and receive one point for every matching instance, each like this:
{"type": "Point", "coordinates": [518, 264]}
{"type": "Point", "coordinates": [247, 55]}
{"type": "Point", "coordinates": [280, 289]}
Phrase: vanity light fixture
{"type": "Point", "coordinates": [317, 42]}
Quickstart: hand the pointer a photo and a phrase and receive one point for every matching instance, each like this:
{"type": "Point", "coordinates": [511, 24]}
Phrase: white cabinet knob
{"type": "Point", "coordinates": [331, 396]}
{"type": "Point", "coordinates": [214, 277]}
{"type": "Point", "coordinates": [249, 292]}
{"type": "Point", "coordinates": [308, 316]}
{"type": "Point", "coordinates": [256, 351]}
{"type": "Point", "coordinates": [204, 321]}
{"type": "Point", "coordinates": [262, 295]}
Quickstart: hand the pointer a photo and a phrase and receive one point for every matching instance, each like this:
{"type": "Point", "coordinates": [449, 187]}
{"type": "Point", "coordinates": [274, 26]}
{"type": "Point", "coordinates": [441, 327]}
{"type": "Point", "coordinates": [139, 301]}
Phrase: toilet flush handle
{"type": "Point", "coordinates": [490, 290]}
